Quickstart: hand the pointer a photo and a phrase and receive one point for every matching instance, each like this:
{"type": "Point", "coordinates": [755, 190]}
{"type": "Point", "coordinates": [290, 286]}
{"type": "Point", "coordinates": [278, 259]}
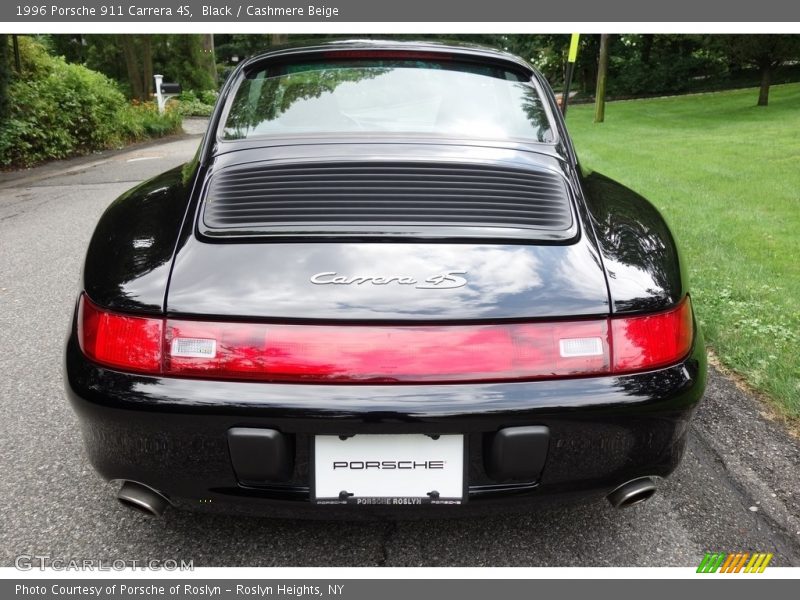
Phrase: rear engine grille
{"type": "Point", "coordinates": [372, 195]}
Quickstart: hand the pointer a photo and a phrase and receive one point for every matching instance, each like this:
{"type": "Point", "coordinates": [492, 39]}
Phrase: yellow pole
{"type": "Point", "coordinates": [571, 58]}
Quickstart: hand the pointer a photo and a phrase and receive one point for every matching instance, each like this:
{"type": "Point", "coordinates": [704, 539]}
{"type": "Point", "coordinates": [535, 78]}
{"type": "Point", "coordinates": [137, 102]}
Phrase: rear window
{"type": "Point", "coordinates": [427, 97]}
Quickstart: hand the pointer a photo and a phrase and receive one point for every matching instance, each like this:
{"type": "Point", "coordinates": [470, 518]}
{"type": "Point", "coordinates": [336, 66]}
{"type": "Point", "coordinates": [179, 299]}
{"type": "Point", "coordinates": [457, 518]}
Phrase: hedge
{"type": "Point", "coordinates": [57, 109]}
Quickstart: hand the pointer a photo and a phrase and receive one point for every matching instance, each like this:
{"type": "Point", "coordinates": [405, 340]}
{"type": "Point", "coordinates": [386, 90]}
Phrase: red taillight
{"type": "Point", "coordinates": [127, 342]}
{"type": "Point", "coordinates": [652, 341]}
{"type": "Point", "coordinates": [384, 354]}
{"type": "Point", "coordinates": [381, 354]}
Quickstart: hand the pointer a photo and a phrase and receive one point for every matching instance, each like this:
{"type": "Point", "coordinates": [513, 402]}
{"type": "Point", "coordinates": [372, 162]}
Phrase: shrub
{"type": "Point", "coordinates": [57, 109]}
{"type": "Point", "coordinates": [193, 103]}
{"type": "Point", "coordinates": [139, 121]}
{"type": "Point", "coordinates": [208, 96]}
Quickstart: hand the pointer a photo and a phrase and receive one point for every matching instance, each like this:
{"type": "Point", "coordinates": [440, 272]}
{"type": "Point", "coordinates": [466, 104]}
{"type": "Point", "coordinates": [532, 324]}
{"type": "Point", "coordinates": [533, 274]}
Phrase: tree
{"type": "Point", "coordinates": [187, 59]}
{"type": "Point", "coordinates": [209, 59]}
{"type": "Point", "coordinates": [72, 46]}
{"type": "Point", "coordinates": [5, 76]}
{"type": "Point", "coordinates": [137, 51]}
{"type": "Point", "coordinates": [647, 64]}
{"type": "Point", "coordinates": [548, 52]}
{"type": "Point", "coordinates": [766, 52]}
{"type": "Point", "coordinates": [240, 45]}
{"type": "Point", "coordinates": [103, 53]}
{"type": "Point", "coordinates": [602, 72]}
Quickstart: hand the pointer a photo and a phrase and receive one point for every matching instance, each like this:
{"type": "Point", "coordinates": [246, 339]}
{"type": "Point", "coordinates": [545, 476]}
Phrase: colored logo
{"type": "Point", "coordinates": [740, 562]}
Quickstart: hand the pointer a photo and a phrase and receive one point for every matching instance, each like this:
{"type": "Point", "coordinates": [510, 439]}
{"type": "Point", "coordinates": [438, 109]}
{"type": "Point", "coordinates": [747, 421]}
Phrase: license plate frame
{"type": "Point", "coordinates": [382, 488]}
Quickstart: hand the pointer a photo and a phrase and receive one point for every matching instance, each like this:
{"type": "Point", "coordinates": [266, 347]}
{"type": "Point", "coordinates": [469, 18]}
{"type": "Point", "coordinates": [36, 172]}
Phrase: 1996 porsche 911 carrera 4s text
{"type": "Point", "coordinates": [385, 284]}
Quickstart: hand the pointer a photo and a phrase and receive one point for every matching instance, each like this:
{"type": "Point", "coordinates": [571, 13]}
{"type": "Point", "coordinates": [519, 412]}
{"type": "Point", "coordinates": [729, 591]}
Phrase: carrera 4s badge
{"type": "Point", "coordinates": [443, 281]}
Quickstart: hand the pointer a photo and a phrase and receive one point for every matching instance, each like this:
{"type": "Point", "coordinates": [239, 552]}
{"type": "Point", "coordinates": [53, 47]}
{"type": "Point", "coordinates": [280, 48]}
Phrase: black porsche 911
{"type": "Point", "coordinates": [383, 285]}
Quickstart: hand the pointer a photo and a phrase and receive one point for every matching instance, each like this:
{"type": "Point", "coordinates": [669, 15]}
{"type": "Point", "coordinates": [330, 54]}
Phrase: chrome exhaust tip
{"type": "Point", "coordinates": [632, 492]}
{"type": "Point", "coordinates": [142, 498]}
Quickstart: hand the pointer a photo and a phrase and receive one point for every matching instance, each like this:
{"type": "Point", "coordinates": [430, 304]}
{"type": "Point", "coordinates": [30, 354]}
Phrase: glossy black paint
{"type": "Point", "coordinates": [273, 281]}
{"type": "Point", "coordinates": [147, 256]}
{"type": "Point", "coordinates": [130, 254]}
{"type": "Point", "coordinates": [639, 252]}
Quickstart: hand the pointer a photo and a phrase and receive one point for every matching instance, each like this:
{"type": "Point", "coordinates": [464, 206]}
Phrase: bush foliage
{"type": "Point", "coordinates": [57, 109]}
{"type": "Point", "coordinates": [193, 103]}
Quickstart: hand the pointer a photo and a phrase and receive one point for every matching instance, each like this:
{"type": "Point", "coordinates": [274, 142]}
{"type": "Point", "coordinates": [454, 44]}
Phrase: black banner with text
{"type": "Point", "coordinates": [408, 11]}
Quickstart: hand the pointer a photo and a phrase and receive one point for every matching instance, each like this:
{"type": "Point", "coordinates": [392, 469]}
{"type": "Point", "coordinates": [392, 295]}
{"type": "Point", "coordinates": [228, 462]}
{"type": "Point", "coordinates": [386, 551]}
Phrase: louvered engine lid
{"type": "Point", "coordinates": [379, 197]}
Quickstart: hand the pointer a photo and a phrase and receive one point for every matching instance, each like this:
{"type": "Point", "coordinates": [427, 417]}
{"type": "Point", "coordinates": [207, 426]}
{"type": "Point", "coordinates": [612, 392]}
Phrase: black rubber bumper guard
{"type": "Point", "coordinates": [513, 458]}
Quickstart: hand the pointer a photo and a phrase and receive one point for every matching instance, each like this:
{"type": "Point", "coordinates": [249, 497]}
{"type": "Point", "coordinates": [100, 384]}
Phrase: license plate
{"type": "Point", "coordinates": [393, 469]}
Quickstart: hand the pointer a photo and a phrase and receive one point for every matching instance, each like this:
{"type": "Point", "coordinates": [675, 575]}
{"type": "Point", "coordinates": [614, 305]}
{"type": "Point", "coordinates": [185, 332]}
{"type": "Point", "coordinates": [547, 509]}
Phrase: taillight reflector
{"type": "Point", "coordinates": [128, 342]}
{"type": "Point", "coordinates": [384, 354]}
{"type": "Point", "coordinates": [652, 341]}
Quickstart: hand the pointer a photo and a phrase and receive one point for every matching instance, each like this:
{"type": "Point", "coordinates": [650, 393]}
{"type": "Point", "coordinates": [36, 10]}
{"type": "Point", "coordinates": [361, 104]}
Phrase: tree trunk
{"type": "Point", "coordinates": [5, 77]}
{"type": "Point", "coordinates": [276, 39]}
{"type": "Point", "coordinates": [209, 57]}
{"type": "Point", "coordinates": [147, 68]}
{"type": "Point", "coordinates": [766, 76]}
{"type": "Point", "coordinates": [602, 72]}
{"type": "Point", "coordinates": [647, 48]}
{"type": "Point", "coordinates": [17, 57]}
{"type": "Point", "coordinates": [126, 42]}
{"type": "Point", "coordinates": [589, 77]}
{"type": "Point", "coordinates": [138, 53]}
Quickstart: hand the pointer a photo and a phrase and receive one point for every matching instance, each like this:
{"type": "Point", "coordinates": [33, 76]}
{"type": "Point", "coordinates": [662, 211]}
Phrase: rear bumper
{"type": "Point", "coordinates": [172, 434]}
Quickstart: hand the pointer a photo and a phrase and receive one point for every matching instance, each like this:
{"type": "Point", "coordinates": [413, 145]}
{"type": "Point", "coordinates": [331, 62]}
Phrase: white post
{"type": "Point", "coordinates": [160, 99]}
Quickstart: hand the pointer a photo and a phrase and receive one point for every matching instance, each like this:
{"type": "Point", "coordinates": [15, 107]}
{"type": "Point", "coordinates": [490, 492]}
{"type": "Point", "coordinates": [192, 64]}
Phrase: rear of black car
{"type": "Point", "coordinates": [384, 285]}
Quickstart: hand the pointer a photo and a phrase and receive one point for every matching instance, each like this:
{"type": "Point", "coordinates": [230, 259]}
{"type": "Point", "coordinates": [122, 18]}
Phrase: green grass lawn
{"type": "Point", "coordinates": [726, 174]}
